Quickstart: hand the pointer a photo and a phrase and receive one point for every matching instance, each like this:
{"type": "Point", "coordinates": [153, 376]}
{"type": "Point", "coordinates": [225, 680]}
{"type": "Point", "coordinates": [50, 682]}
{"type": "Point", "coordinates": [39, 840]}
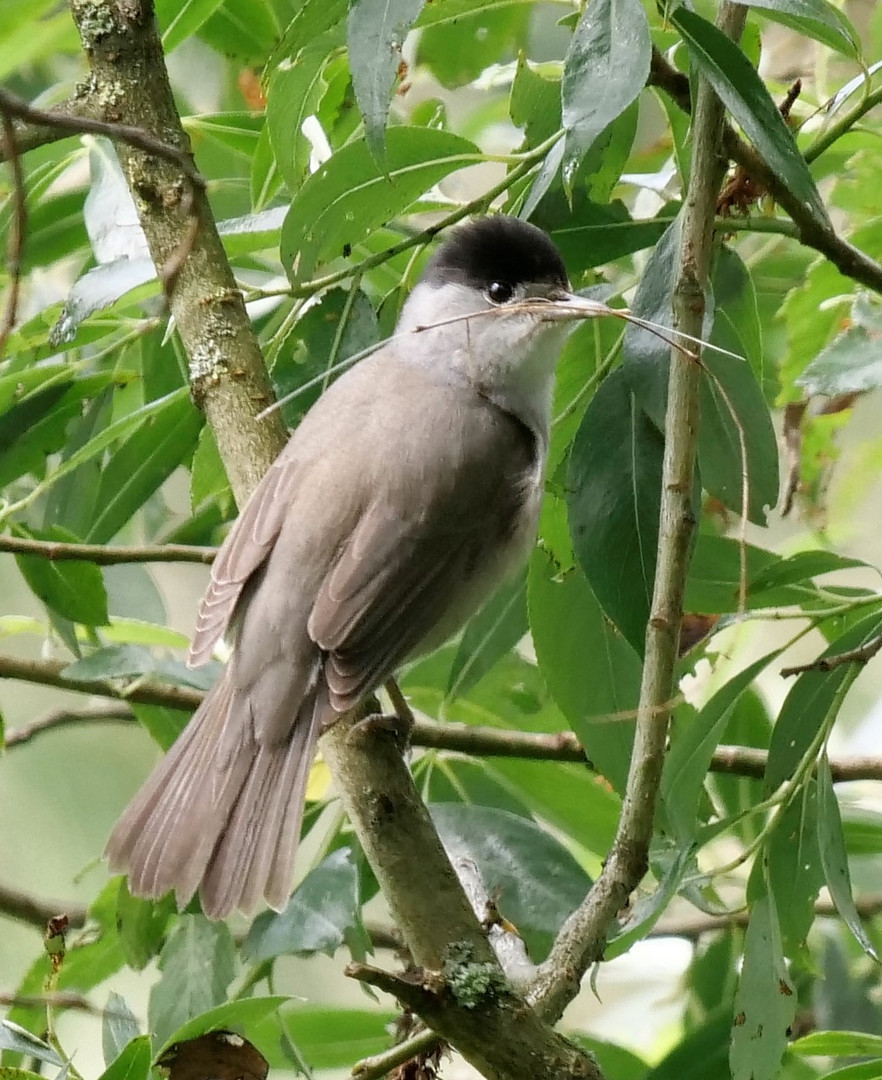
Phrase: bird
{"type": "Point", "coordinates": [403, 499]}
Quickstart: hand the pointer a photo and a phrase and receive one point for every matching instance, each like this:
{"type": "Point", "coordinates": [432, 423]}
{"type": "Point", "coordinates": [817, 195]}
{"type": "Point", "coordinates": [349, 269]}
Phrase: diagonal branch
{"type": "Point", "coordinates": [819, 235]}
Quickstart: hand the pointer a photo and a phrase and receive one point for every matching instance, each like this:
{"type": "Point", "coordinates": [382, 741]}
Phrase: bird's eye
{"type": "Point", "coordinates": [500, 292]}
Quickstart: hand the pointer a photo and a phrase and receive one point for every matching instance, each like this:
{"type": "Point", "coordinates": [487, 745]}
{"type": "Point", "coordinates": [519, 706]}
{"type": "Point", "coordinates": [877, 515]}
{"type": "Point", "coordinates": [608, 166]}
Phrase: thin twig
{"type": "Point", "coordinates": [12, 105]}
{"type": "Point", "coordinates": [106, 713]}
{"type": "Point", "coordinates": [16, 239]}
{"type": "Point", "coordinates": [104, 555]}
{"type": "Point", "coordinates": [16, 904]}
{"type": "Point", "coordinates": [861, 655]}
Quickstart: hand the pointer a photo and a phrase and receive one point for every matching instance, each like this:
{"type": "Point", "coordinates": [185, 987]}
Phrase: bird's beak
{"type": "Point", "coordinates": [560, 304]}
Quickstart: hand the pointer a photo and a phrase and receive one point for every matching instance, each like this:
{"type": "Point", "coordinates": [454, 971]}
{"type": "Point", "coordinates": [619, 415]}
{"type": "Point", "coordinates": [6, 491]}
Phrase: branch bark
{"type": "Point", "coordinates": [476, 740]}
{"type": "Point", "coordinates": [820, 236]}
{"type": "Point", "coordinates": [582, 939]}
{"type": "Point", "coordinates": [106, 555]}
{"type": "Point", "coordinates": [227, 374]}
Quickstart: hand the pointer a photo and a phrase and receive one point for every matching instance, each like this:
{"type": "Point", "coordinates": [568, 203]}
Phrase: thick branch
{"type": "Point", "coordinates": [582, 938]}
{"type": "Point", "coordinates": [226, 369]}
{"type": "Point", "coordinates": [513, 1041]}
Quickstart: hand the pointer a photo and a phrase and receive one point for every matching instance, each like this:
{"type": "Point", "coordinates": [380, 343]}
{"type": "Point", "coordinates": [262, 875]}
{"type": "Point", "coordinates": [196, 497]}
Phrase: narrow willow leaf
{"type": "Point", "coordinates": [538, 881]}
{"type": "Point", "coordinates": [816, 19]}
{"type": "Point", "coordinates": [687, 762]}
{"type": "Point", "coordinates": [613, 486]}
{"type": "Point", "coordinates": [118, 1027]}
{"type": "Point", "coordinates": [73, 589]}
{"type": "Point", "coordinates": [808, 704]}
{"type": "Point", "coordinates": [765, 1002]}
{"type": "Point", "coordinates": [498, 627]}
{"type": "Point", "coordinates": [834, 859]}
{"type": "Point", "coordinates": [743, 93]}
{"type": "Point", "coordinates": [133, 1063]}
{"type": "Point", "coordinates": [606, 67]}
{"type": "Point", "coordinates": [793, 863]}
{"type": "Point", "coordinates": [375, 33]}
{"type": "Point", "coordinates": [141, 464]}
{"type": "Point", "coordinates": [295, 89]}
{"type": "Point", "coordinates": [591, 670]}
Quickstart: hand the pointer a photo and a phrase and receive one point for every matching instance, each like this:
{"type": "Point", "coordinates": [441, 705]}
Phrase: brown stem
{"type": "Point", "coordinates": [106, 555]}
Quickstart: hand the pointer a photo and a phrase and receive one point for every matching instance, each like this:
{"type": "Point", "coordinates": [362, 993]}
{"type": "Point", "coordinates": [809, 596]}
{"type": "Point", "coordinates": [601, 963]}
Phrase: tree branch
{"type": "Point", "coordinates": [818, 235]}
{"type": "Point", "coordinates": [227, 374]}
{"type": "Point", "coordinates": [19, 905]}
{"type": "Point", "coordinates": [582, 939]}
{"type": "Point", "coordinates": [105, 554]}
{"type": "Point", "coordinates": [476, 740]}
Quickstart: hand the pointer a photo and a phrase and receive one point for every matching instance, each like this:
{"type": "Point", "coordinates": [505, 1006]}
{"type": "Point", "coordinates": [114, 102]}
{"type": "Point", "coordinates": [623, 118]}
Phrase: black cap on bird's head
{"type": "Point", "coordinates": [497, 248]}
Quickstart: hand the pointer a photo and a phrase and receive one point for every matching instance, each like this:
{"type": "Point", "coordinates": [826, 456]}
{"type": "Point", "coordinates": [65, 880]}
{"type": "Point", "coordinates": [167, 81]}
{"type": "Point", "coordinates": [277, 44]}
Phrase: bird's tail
{"type": "Point", "coordinates": [222, 811]}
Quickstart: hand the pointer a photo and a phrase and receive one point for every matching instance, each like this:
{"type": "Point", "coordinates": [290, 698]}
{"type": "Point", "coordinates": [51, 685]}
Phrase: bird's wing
{"type": "Point", "coordinates": [409, 569]}
{"type": "Point", "coordinates": [245, 548]}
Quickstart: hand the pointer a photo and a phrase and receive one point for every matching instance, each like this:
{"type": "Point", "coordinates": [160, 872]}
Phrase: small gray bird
{"type": "Point", "coordinates": [407, 494]}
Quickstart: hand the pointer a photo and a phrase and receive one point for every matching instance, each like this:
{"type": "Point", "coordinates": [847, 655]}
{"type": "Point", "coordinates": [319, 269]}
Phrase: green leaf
{"type": "Point", "coordinates": [295, 89]}
{"type": "Point", "coordinates": [118, 1027]}
{"type": "Point", "coordinates": [328, 1037]}
{"type": "Point", "coordinates": [132, 1064]}
{"type": "Point", "coordinates": [349, 195]}
{"type": "Point", "coordinates": [613, 496]}
{"type": "Point", "coordinates": [243, 1014]}
{"type": "Point", "coordinates": [120, 429]}
{"type": "Point", "coordinates": [808, 704]}
{"type": "Point", "coordinates": [324, 907]}
{"type": "Point", "coordinates": [606, 67]}
{"type": "Point", "coordinates": [536, 880]}
{"type": "Point", "coordinates": [838, 1044]}
{"type": "Point", "coordinates": [141, 923]}
{"type": "Point", "coordinates": [142, 463]}
{"type": "Point", "coordinates": [645, 357]}
{"type": "Point", "coordinates": [375, 33]}
{"type": "Point", "coordinates": [834, 859]}
{"type": "Point", "coordinates": [307, 353]}
{"type": "Point", "coordinates": [311, 19]}
{"type": "Point", "coordinates": [593, 234]}
{"type": "Point", "coordinates": [163, 725]}
{"type": "Point", "coordinates": [645, 911]}
{"type": "Point", "coordinates": [863, 1070]}
{"type": "Point", "coordinates": [180, 20]}
{"type": "Point", "coordinates": [15, 1038]}
{"type": "Point", "coordinates": [198, 963]}
{"type": "Point", "coordinates": [590, 669]}
{"type": "Point", "coordinates": [851, 363]}
{"type": "Point", "coordinates": [498, 627]}
{"type": "Point", "coordinates": [731, 446]}
{"type": "Point", "coordinates": [692, 748]}
{"type": "Point", "coordinates": [794, 868]}
{"type": "Point", "coordinates": [816, 19]}
{"type": "Point", "coordinates": [208, 477]}
{"type": "Point", "coordinates": [73, 589]}
{"type": "Point", "coordinates": [741, 90]}
{"type": "Point", "coordinates": [765, 1002]}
